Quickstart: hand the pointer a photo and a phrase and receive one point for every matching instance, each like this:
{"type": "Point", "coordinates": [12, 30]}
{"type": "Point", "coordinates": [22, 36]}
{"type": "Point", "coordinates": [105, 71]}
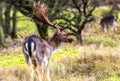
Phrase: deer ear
{"type": "Point", "coordinates": [34, 4]}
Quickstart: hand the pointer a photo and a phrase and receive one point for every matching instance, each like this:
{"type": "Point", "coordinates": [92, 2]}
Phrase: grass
{"type": "Point", "coordinates": [89, 66]}
{"type": "Point", "coordinates": [69, 65]}
{"type": "Point", "coordinates": [12, 58]}
{"type": "Point", "coordinates": [25, 25]}
{"type": "Point", "coordinates": [105, 40]}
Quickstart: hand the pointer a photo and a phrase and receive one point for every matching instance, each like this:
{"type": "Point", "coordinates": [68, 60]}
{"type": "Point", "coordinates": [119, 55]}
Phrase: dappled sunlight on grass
{"type": "Point", "coordinates": [66, 52]}
{"type": "Point", "coordinates": [12, 58]}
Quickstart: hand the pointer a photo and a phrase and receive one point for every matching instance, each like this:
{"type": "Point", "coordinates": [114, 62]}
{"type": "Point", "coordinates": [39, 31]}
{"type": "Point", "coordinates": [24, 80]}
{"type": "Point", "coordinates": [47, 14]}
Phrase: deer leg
{"type": "Point", "coordinates": [104, 28]}
{"type": "Point", "coordinates": [31, 70]}
{"type": "Point", "coordinates": [32, 73]}
{"type": "Point", "coordinates": [39, 72]}
{"type": "Point", "coordinates": [47, 73]}
{"type": "Point", "coordinates": [114, 27]}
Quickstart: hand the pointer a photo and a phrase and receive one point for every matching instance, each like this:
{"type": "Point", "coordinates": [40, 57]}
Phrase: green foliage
{"type": "Point", "coordinates": [101, 11]}
{"type": "Point", "coordinates": [25, 25]}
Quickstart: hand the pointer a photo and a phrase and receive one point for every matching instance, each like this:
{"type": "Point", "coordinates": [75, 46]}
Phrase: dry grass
{"type": "Point", "coordinates": [90, 66]}
{"type": "Point", "coordinates": [14, 73]}
{"type": "Point", "coordinates": [91, 63]}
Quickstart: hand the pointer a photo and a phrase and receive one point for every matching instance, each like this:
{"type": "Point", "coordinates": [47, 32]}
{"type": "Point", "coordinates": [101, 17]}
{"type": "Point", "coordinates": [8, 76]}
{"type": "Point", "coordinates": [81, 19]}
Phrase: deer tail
{"type": "Point", "coordinates": [30, 47]}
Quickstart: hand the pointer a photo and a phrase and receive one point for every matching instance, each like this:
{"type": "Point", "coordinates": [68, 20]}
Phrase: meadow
{"type": "Point", "coordinates": [97, 60]}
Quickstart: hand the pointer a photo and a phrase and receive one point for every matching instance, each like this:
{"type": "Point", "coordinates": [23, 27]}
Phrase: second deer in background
{"type": "Point", "coordinates": [108, 21]}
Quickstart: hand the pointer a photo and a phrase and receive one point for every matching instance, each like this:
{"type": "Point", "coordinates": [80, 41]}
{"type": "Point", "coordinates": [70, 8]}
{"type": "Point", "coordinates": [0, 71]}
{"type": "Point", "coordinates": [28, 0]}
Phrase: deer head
{"type": "Point", "coordinates": [40, 13]}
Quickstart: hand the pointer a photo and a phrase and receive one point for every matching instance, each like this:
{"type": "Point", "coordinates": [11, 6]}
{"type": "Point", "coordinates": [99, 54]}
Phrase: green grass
{"type": "Point", "coordinates": [25, 25]}
{"type": "Point", "coordinates": [104, 40]}
{"type": "Point", "coordinates": [12, 58]}
{"type": "Point", "coordinates": [17, 57]}
{"type": "Point", "coordinates": [71, 53]}
{"type": "Point", "coordinates": [69, 64]}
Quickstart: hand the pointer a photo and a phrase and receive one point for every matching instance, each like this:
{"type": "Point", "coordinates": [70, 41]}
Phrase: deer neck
{"type": "Point", "coordinates": [55, 42]}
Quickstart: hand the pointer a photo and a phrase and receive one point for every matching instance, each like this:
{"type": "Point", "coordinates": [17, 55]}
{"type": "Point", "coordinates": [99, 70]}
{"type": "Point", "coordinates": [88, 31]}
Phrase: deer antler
{"type": "Point", "coordinates": [40, 13]}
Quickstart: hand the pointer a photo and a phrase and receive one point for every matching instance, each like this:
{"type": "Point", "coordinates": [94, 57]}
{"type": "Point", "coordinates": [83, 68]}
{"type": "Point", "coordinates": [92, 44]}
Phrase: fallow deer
{"type": "Point", "coordinates": [37, 51]}
{"type": "Point", "coordinates": [108, 21]}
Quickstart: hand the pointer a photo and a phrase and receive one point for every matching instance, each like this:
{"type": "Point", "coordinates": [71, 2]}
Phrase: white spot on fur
{"type": "Point", "coordinates": [32, 47]}
{"type": "Point", "coordinates": [46, 61]}
{"type": "Point", "coordinates": [26, 46]}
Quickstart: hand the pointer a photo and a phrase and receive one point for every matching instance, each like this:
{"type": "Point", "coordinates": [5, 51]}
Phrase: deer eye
{"type": "Point", "coordinates": [64, 35]}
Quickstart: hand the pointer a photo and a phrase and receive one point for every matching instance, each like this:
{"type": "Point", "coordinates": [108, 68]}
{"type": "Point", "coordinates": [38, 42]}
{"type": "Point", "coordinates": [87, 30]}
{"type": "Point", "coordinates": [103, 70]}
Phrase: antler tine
{"type": "Point", "coordinates": [40, 12]}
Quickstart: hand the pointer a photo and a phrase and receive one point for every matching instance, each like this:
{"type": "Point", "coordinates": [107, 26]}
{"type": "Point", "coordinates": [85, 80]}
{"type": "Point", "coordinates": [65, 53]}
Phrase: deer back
{"type": "Point", "coordinates": [36, 47]}
{"type": "Point", "coordinates": [108, 20]}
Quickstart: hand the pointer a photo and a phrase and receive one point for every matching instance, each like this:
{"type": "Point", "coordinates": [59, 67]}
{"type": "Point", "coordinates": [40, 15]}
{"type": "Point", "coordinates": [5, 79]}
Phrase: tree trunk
{"type": "Point", "coordinates": [6, 27]}
{"type": "Point", "coordinates": [1, 41]}
{"type": "Point", "coordinates": [42, 30]}
{"type": "Point", "coordinates": [14, 21]}
{"type": "Point", "coordinates": [1, 23]}
{"type": "Point", "coordinates": [79, 37]}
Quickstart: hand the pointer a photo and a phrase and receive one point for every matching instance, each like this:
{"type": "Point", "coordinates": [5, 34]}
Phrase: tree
{"type": "Point", "coordinates": [14, 22]}
{"type": "Point", "coordinates": [81, 11]}
{"type": "Point", "coordinates": [6, 20]}
{"type": "Point", "coordinates": [6, 27]}
{"type": "Point", "coordinates": [25, 7]}
{"type": "Point", "coordinates": [1, 23]}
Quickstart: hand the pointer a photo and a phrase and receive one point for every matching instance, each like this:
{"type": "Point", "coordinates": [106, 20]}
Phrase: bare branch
{"type": "Point", "coordinates": [84, 7]}
{"type": "Point", "coordinates": [77, 6]}
{"type": "Point", "coordinates": [91, 11]}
